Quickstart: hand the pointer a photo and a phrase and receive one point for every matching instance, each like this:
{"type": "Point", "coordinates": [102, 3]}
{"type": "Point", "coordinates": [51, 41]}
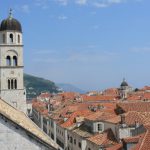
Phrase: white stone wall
{"type": "Point", "coordinates": [29, 109]}
{"type": "Point", "coordinates": [93, 126]}
{"type": "Point", "coordinates": [92, 146]}
{"type": "Point", "coordinates": [15, 138]}
{"type": "Point", "coordinates": [113, 127]}
{"type": "Point", "coordinates": [125, 132]}
{"type": "Point", "coordinates": [61, 134]}
{"type": "Point", "coordinates": [7, 38]}
{"type": "Point", "coordinates": [16, 98]}
{"type": "Point", "coordinates": [75, 145]}
{"type": "Point", "coordinates": [13, 50]}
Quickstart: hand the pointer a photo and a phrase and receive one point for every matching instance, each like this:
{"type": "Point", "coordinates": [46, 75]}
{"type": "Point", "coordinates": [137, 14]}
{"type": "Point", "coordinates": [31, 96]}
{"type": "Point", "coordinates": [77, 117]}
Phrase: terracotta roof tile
{"type": "Point", "coordinates": [117, 146]}
{"type": "Point", "coordinates": [98, 98]}
{"type": "Point", "coordinates": [114, 120]}
{"type": "Point", "coordinates": [100, 116]}
{"type": "Point", "coordinates": [111, 92]}
{"type": "Point", "coordinates": [134, 139]}
{"type": "Point", "coordinates": [135, 106]}
{"type": "Point", "coordinates": [72, 119]}
{"type": "Point", "coordinates": [105, 138]}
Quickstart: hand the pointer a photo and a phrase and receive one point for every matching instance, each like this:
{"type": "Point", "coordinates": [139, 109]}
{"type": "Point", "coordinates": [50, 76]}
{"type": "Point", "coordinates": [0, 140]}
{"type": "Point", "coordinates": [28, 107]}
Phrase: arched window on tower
{"type": "Point", "coordinates": [18, 38]}
{"type": "Point", "coordinates": [15, 84]}
{"type": "Point", "coordinates": [12, 84]}
{"type": "Point", "coordinates": [8, 83]}
{"type": "Point", "coordinates": [4, 38]}
{"type": "Point", "coordinates": [8, 61]}
{"type": "Point", "coordinates": [15, 61]}
{"type": "Point", "coordinates": [11, 38]}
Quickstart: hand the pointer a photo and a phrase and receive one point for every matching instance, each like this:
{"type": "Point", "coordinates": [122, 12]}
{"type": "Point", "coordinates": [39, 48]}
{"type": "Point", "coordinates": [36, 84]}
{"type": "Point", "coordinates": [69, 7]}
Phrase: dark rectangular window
{"type": "Point", "coordinates": [70, 139]}
{"type": "Point", "coordinates": [74, 141]}
{"type": "Point", "coordinates": [99, 127]}
{"type": "Point", "coordinates": [52, 136]}
{"type": "Point", "coordinates": [4, 38]}
{"type": "Point", "coordinates": [79, 144]}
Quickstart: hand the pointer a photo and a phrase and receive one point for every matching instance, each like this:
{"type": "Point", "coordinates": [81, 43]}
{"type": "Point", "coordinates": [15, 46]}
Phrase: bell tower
{"type": "Point", "coordinates": [11, 63]}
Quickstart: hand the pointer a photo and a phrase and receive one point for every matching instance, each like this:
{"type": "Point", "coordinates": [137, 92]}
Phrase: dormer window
{"type": "Point", "coordinates": [99, 127]}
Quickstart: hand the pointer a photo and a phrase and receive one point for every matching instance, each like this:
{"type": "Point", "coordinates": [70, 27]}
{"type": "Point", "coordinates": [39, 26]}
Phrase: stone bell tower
{"type": "Point", "coordinates": [11, 63]}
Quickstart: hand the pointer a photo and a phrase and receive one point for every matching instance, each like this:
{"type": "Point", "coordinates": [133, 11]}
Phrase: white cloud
{"type": "Point", "coordinates": [107, 3]}
{"type": "Point", "coordinates": [76, 56]}
{"type": "Point", "coordinates": [91, 56]}
{"type": "Point", "coordinates": [93, 13]}
{"type": "Point", "coordinates": [44, 4]}
{"type": "Point", "coordinates": [141, 49]}
{"type": "Point", "coordinates": [44, 52]}
{"type": "Point", "coordinates": [100, 5]}
{"type": "Point", "coordinates": [62, 17]}
{"type": "Point", "coordinates": [95, 3]}
{"type": "Point", "coordinates": [25, 8]}
{"type": "Point", "coordinates": [62, 2]}
{"type": "Point", "coordinates": [81, 2]}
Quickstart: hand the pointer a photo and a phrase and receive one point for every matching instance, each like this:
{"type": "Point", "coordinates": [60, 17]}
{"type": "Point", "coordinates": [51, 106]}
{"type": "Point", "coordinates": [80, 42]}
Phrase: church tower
{"type": "Point", "coordinates": [11, 63]}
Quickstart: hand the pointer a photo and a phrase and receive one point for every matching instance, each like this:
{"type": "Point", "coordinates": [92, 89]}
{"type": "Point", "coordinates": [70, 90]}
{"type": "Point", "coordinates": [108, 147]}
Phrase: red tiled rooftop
{"type": "Point", "coordinates": [132, 117]}
{"type": "Point", "coordinates": [134, 97]}
{"type": "Point", "coordinates": [71, 120]}
{"type": "Point", "coordinates": [143, 143]}
{"type": "Point", "coordinates": [146, 88]}
{"type": "Point", "coordinates": [111, 92]}
{"type": "Point", "coordinates": [114, 120]}
{"type": "Point", "coordinates": [40, 107]}
{"type": "Point", "coordinates": [68, 95]}
{"type": "Point", "coordinates": [105, 138]}
{"type": "Point", "coordinates": [100, 116]}
{"type": "Point", "coordinates": [135, 106]}
{"type": "Point", "coordinates": [117, 146]}
{"type": "Point", "coordinates": [98, 98]}
{"type": "Point", "coordinates": [139, 96]}
{"type": "Point", "coordinates": [134, 139]}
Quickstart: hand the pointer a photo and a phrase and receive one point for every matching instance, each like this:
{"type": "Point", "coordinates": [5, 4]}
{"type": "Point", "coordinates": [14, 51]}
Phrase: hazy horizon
{"type": "Point", "coordinates": [92, 44]}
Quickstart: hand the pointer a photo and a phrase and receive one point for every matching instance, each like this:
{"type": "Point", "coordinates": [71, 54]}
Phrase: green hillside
{"type": "Point", "coordinates": [35, 85]}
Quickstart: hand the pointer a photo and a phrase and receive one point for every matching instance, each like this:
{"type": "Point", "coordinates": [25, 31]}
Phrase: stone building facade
{"type": "Point", "coordinates": [11, 63]}
{"type": "Point", "coordinates": [124, 89]}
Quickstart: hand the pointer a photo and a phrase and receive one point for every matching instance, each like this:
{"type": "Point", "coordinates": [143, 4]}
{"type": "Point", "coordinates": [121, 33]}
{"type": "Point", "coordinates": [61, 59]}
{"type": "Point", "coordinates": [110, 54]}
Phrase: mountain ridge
{"type": "Point", "coordinates": [36, 85]}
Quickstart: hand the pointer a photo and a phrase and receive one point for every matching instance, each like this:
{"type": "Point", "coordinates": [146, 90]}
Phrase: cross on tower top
{"type": "Point", "coordinates": [10, 13]}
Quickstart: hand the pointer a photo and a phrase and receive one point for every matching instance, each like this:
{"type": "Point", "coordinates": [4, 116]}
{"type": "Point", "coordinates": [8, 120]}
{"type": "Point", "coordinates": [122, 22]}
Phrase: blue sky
{"type": "Point", "coordinates": [92, 44]}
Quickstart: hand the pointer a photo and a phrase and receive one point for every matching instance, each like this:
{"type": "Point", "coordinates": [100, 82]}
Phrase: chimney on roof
{"type": "Point", "coordinates": [50, 107]}
{"type": "Point", "coordinates": [123, 123]}
{"type": "Point", "coordinates": [137, 124]}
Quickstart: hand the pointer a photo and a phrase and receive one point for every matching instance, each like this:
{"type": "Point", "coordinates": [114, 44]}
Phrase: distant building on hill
{"type": "Point", "coordinates": [124, 89]}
